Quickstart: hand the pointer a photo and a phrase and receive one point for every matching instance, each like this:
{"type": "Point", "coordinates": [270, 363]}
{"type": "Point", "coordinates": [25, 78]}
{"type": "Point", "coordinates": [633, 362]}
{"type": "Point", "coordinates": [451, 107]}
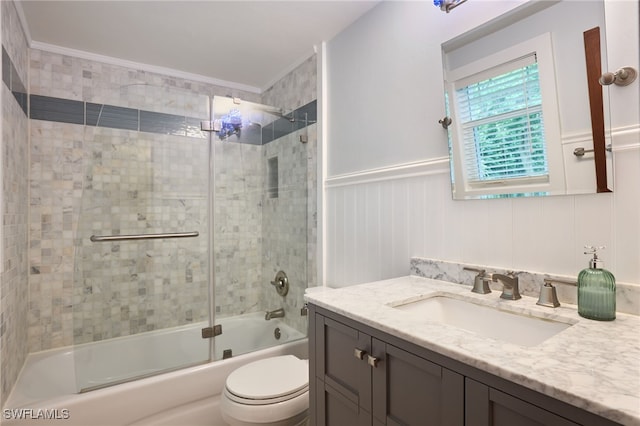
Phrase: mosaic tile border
{"type": "Point", "coordinates": [300, 118]}
{"type": "Point", "coordinates": [61, 110]}
{"type": "Point", "coordinates": [13, 81]}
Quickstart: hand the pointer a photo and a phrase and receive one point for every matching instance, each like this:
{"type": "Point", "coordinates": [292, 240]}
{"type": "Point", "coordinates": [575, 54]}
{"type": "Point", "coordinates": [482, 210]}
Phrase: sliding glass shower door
{"type": "Point", "coordinates": [141, 279]}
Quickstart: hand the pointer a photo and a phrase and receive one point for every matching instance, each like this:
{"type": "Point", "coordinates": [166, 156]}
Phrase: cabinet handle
{"type": "Point", "coordinates": [372, 361]}
{"type": "Point", "coordinates": [359, 353]}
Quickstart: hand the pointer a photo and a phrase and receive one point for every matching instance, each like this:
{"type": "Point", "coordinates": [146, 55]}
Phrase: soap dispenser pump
{"type": "Point", "coordinates": [596, 290]}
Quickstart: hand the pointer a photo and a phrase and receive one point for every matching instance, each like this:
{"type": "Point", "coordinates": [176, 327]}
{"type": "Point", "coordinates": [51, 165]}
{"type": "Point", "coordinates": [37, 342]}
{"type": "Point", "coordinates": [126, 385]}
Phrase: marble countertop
{"type": "Point", "coordinates": [593, 365]}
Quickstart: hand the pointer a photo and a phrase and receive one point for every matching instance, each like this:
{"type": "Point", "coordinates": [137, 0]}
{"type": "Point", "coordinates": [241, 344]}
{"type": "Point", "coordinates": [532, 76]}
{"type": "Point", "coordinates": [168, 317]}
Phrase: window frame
{"type": "Point", "coordinates": [541, 47]}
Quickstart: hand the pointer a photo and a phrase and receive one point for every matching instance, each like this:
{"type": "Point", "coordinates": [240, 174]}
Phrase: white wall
{"type": "Point", "coordinates": [384, 83]}
{"type": "Point", "coordinates": [387, 186]}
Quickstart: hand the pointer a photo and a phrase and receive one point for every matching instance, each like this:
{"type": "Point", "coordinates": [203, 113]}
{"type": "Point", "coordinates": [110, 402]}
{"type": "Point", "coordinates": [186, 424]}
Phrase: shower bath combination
{"type": "Point", "coordinates": [194, 248]}
{"type": "Point", "coordinates": [175, 230]}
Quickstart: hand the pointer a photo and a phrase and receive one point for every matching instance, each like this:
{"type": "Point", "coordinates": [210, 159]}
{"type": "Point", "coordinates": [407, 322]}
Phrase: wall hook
{"type": "Point", "coordinates": [623, 77]}
{"type": "Point", "coordinates": [445, 122]}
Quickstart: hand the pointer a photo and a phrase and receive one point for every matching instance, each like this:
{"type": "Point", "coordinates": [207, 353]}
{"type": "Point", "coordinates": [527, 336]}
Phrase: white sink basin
{"type": "Point", "coordinates": [484, 320]}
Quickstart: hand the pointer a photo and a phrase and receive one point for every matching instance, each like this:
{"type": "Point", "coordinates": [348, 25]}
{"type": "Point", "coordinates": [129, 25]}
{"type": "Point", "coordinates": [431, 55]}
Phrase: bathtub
{"type": "Point", "coordinates": [47, 387]}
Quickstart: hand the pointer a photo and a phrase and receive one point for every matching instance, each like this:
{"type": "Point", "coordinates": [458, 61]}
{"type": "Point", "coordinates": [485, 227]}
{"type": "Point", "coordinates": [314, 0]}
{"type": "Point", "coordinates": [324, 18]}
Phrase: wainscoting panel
{"type": "Point", "coordinates": [377, 220]}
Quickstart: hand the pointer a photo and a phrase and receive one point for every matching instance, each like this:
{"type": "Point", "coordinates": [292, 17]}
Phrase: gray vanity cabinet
{"type": "Point", "coordinates": [485, 406]}
{"type": "Point", "coordinates": [362, 376]}
{"type": "Point", "coordinates": [359, 380]}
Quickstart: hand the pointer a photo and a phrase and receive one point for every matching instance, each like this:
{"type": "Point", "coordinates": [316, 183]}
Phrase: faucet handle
{"type": "Point", "coordinates": [481, 281]}
{"type": "Point", "coordinates": [548, 296]}
{"type": "Point", "coordinates": [281, 283]}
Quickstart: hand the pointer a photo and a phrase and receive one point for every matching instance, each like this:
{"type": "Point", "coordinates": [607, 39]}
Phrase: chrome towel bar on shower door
{"type": "Point", "coordinates": [99, 238]}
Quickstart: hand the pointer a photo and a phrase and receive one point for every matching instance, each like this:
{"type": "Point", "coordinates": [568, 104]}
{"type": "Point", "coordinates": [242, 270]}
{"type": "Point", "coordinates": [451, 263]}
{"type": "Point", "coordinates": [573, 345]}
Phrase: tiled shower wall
{"type": "Point", "coordinates": [140, 183]}
{"type": "Point", "coordinates": [290, 221]}
{"type": "Point", "coordinates": [238, 228]}
{"type": "Point", "coordinates": [15, 140]}
{"type": "Point", "coordinates": [285, 226]}
{"type": "Point", "coordinates": [96, 180]}
{"type": "Point", "coordinates": [84, 182]}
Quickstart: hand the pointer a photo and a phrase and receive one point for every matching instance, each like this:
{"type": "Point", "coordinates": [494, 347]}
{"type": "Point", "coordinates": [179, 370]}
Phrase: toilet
{"type": "Point", "coordinates": [268, 392]}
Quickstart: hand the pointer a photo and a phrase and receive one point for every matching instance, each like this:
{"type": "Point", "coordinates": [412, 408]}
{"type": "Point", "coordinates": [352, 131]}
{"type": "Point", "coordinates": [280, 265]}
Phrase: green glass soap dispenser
{"type": "Point", "coordinates": [596, 290]}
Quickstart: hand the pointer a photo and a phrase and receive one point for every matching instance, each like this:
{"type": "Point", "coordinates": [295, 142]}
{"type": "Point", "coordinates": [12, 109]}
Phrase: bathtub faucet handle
{"type": "Point", "coordinates": [281, 283]}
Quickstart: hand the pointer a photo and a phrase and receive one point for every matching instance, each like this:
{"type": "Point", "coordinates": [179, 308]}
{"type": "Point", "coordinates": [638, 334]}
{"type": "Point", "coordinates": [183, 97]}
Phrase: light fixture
{"type": "Point", "coordinates": [447, 5]}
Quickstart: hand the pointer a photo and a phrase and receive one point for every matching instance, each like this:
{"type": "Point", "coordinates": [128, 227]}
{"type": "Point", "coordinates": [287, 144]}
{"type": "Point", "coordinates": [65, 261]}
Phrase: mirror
{"type": "Point", "coordinates": [518, 97]}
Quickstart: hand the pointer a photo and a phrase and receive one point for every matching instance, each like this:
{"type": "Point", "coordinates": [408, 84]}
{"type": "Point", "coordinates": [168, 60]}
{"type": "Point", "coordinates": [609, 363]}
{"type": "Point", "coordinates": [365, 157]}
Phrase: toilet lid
{"type": "Point", "coordinates": [270, 378]}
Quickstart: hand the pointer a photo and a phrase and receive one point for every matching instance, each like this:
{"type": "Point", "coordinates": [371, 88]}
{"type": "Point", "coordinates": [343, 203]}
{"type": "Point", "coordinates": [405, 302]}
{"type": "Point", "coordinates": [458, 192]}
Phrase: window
{"type": "Point", "coordinates": [502, 124]}
{"type": "Point", "coordinates": [500, 136]}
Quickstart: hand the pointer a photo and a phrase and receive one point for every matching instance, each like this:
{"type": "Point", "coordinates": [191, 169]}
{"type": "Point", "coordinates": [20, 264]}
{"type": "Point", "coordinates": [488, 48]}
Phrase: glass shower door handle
{"type": "Point", "coordinates": [100, 238]}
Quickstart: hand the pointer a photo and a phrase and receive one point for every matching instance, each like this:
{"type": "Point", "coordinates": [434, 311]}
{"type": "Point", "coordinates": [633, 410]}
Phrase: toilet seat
{"type": "Point", "coordinates": [268, 381]}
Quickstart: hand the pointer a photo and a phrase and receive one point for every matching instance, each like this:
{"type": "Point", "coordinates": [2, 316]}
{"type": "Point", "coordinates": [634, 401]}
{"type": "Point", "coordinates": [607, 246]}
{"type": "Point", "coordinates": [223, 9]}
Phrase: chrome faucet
{"type": "Point", "coordinates": [510, 290]}
{"type": "Point", "coordinates": [278, 313]}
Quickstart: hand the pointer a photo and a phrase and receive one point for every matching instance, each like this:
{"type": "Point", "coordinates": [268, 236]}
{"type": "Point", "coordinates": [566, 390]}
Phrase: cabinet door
{"type": "Point", "coordinates": [485, 406]}
{"type": "Point", "coordinates": [409, 390]}
{"type": "Point", "coordinates": [335, 409]}
{"type": "Point", "coordinates": [341, 354]}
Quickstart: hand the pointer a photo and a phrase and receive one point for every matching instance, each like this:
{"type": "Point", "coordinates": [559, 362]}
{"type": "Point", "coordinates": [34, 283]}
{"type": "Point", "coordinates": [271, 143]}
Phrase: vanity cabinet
{"type": "Point", "coordinates": [485, 406]}
{"type": "Point", "coordinates": [362, 380]}
{"type": "Point", "coordinates": [361, 376]}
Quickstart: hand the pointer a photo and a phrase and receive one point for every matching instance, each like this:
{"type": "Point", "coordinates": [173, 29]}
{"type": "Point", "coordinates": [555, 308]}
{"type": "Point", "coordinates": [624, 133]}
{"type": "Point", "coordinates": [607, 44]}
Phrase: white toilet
{"type": "Point", "coordinates": [268, 392]}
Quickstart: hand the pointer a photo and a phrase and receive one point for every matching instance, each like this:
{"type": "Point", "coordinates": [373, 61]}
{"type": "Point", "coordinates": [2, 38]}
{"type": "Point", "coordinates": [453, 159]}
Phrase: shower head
{"type": "Point", "coordinates": [278, 112]}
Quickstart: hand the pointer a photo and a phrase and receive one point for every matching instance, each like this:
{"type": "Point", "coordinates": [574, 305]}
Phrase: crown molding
{"type": "Point", "coordinates": [23, 21]}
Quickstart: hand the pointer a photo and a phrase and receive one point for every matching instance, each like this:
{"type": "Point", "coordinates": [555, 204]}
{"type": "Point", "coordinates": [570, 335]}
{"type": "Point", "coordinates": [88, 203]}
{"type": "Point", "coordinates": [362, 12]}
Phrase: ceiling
{"type": "Point", "coordinates": [249, 43]}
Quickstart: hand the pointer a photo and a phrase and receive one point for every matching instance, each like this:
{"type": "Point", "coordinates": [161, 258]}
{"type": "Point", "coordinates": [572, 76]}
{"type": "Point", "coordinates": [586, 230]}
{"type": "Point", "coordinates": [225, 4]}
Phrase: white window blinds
{"type": "Point", "coordinates": [500, 116]}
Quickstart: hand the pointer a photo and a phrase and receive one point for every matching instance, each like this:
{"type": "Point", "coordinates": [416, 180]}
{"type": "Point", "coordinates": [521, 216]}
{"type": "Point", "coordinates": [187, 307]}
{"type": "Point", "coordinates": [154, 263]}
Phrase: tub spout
{"type": "Point", "coordinates": [278, 313]}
